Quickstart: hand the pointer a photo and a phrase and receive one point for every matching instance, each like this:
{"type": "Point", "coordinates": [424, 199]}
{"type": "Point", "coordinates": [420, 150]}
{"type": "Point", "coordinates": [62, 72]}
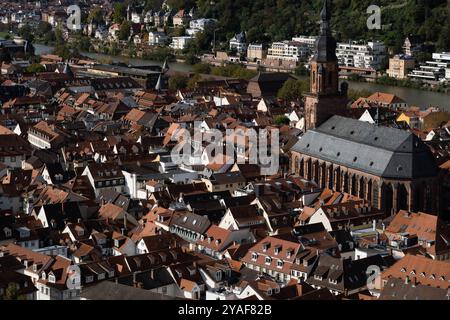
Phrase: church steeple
{"type": "Point", "coordinates": [325, 99]}
{"type": "Point", "coordinates": [325, 17]}
{"type": "Point", "coordinates": [325, 44]}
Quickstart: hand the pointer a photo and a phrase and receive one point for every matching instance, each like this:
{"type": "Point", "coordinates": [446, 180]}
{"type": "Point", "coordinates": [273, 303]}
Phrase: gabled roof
{"type": "Point", "coordinates": [382, 151]}
{"type": "Point", "coordinates": [420, 270]}
{"type": "Point", "coordinates": [385, 98]}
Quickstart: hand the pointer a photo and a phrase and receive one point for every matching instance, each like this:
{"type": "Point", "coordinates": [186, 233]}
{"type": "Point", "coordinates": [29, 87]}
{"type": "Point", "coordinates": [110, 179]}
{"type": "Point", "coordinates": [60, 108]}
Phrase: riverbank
{"type": "Point", "coordinates": [412, 96]}
{"type": "Point", "coordinates": [406, 83]}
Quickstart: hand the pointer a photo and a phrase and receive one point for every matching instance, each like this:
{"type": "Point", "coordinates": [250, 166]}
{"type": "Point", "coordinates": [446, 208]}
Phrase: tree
{"type": "Point", "coordinates": [233, 71]}
{"type": "Point", "coordinates": [301, 70]}
{"type": "Point", "coordinates": [114, 49]}
{"type": "Point", "coordinates": [202, 68]}
{"type": "Point", "coordinates": [191, 59]}
{"type": "Point", "coordinates": [159, 54]}
{"type": "Point", "coordinates": [120, 12]}
{"type": "Point", "coordinates": [177, 82]}
{"type": "Point", "coordinates": [35, 68]}
{"type": "Point", "coordinates": [443, 43]}
{"type": "Point", "coordinates": [59, 39]}
{"type": "Point", "coordinates": [64, 51]}
{"type": "Point", "coordinates": [124, 31]}
{"type": "Point", "coordinates": [178, 32]}
{"type": "Point", "coordinates": [49, 37]}
{"type": "Point", "coordinates": [356, 94]}
{"type": "Point", "coordinates": [96, 16]}
{"type": "Point", "coordinates": [43, 29]}
{"type": "Point", "coordinates": [180, 4]}
{"type": "Point", "coordinates": [282, 120]}
{"type": "Point", "coordinates": [12, 292]}
{"type": "Point", "coordinates": [192, 83]}
{"type": "Point", "coordinates": [293, 89]}
{"type": "Point", "coordinates": [27, 33]}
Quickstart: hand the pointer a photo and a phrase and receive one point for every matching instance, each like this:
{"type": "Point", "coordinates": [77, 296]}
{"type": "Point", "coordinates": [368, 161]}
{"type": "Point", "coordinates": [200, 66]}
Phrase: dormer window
{"type": "Point", "coordinates": [254, 256]}
{"type": "Point", "coordinates": [52, 278]}
{"type": "Point", "coordinates": [266, 246]}
{"type": "Point", "coordinates": [268, 260]}
{"type": "Point", "coordinates": [280, 264]}
{"type": "Point", "coordinates": [289, 253]}
{"type": "Point", "coordinates": [277, 250]}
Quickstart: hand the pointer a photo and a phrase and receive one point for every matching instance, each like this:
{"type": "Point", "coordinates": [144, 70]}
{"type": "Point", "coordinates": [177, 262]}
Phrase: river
{"type": "Point", "coordinates": [182, 67]}
{"type": "Point", "coordinates": [420, 98]}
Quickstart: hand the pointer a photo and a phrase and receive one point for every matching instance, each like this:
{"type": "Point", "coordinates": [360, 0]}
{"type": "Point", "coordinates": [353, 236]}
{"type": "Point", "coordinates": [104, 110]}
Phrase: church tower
{"type": "Point", "coordinates": [325, 98]}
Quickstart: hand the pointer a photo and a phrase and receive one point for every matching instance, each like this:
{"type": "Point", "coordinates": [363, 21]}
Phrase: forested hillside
{"type": "Point", "coordinates": [272, 20]}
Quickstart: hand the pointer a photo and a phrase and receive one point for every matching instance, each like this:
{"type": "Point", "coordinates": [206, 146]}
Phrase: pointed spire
{"type": "Point", "coordinates": [325, 13]}
{"type": "Point", "coordinates": [325, 16]}
{"type": "Point", "coordinates": [165, 66]}
{"type": "Point", "coordinates": [377, 116]}
{"type": "Point", "coordinates": [325, 44]}
{"type": "Point", "coordinates": [158, 86]}
{"type": "Point", "coordinates": [67, 70]}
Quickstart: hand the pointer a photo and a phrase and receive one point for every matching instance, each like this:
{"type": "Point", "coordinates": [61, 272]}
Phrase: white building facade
{"type": "Point", "coordinates": [364, 55]}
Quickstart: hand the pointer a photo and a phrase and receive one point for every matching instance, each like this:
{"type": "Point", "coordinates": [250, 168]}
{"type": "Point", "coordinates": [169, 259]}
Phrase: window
{"type": "Point", "coordinates": [268, 260]}
{"type": "Point", "coordinates": [280, 264]}
{"type": "Point", "coordinates": [52, 278]}
{"type": "Point", "coordinates": [277, 250]}
{"type": "Point", "coordinates": [254, 256]}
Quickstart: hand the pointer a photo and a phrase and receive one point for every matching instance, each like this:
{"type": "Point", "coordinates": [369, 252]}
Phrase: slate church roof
{"type": "Point", "coordinates": [381, 151]}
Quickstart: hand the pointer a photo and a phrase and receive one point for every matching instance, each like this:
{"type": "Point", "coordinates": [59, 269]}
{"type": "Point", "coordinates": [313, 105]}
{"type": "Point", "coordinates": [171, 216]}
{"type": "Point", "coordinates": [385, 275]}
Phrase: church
{"type": "Point", "coordinates": [390, 168]}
